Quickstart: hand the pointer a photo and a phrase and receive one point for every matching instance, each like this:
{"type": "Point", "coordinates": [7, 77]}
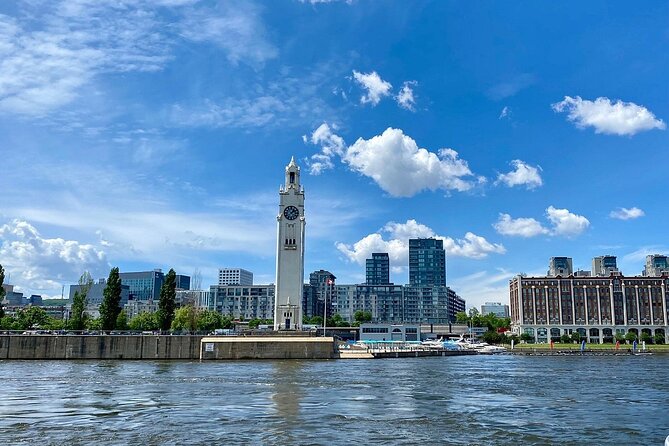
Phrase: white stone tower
{"type": "Point", "coordinates": [289, 252]}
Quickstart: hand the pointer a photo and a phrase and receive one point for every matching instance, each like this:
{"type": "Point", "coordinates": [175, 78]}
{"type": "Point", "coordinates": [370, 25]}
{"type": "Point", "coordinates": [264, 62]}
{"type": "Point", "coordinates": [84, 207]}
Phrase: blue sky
{"type": "Point", "coordinates": [154, 134]}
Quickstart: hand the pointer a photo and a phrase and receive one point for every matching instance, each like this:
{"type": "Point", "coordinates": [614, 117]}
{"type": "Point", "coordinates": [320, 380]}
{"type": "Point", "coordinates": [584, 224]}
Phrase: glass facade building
{"type": "Point", "coordinates": [144, 285]}
{"type": "Point", "coordinates": [427, 262]}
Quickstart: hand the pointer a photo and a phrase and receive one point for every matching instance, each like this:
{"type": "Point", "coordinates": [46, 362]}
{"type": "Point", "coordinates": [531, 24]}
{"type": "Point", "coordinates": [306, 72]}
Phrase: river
{"type": "Point", "coordinates": [490, 400]}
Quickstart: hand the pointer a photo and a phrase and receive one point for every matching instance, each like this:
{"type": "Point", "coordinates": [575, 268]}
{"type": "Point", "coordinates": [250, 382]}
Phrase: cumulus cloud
{"type": "Point", "coordinates": [523, 174]}
{"type": "Point", "coordinates": [376, 87]}
{"type": "Point", "coordinates": [521, 227]}
{"type": "Point", "coordinates": [615, 118]}
{"type": "Point", "coordinates": [38, 263]}
{"type": "Point", "coordinates": [396, 244]}
{"type": "Point", "coordinates": [627, 214]}
{"type": "Point", "coordinates": [401, 168]}
{"type": "Point", "coordinates": [563, 223]}
{"type": "Point", "coordinates": [331, 145]}
{"type": "Point", "coordinates": [405, 97]}
{"type": "Point", "coordinates": [566, 223]}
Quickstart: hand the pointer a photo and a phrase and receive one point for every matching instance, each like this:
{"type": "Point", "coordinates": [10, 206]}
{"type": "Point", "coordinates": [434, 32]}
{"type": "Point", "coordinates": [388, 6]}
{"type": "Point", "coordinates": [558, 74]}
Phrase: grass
{"type": "Point", "coordinates": [561, 346]}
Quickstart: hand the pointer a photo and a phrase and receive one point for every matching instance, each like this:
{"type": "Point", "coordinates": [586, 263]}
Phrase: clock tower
{"type": "Point", "coordinates": [289, 252]}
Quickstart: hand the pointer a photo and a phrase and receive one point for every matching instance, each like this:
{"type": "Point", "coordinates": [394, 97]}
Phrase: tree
{"type": "Point", "coordinates": [210, 320]}
{"type": "Point", "coordinates": [646, 337]}
{"type": "Point", "coordinates": [565, 338]}
{"type": "Point", "coordinates": [362, 316]}
{"type": "Point", "coordinates": [659, 338]}
{"type": "Point", "coordinates": [167, 302]}
{"type": "Point", "coordinates": [110, 307]}
{"type": "Point", "coordinates": [33, 317]}
{"type": "Point", "coordinates": [461, 317]}
{"type": "Point", "coordinates": [144, 322]}
{"type": "Point", "coordinates": [526, 337]}
{"type": "Point", "coordinates": [80, 302]}
{"type": "Point", "coordinates": [122, 321]}
{"type": "Point", "coordinates": [2, 291]}
{"type": "Point", "coordinates": [576, 337]}
{"type": "Point", "coordinates": [185, 318]}
{"type": "Point", "coordinates": [620, 337]}
{"type": "Point", "coordinates": [630, 337]}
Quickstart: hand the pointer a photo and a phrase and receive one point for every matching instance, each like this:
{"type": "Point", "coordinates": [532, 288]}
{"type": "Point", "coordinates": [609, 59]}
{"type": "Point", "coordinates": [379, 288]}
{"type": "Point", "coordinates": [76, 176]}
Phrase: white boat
{"type": "Point", "coordinates": [480, 347]}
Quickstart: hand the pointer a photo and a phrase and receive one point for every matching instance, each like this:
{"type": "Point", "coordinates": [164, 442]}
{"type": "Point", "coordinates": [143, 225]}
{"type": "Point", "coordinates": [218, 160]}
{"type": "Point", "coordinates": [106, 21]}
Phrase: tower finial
{"type": "Point", "coordinates": [292, 161]}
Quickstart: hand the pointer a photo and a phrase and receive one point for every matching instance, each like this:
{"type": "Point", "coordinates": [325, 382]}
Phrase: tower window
{"type": "Point", "coordinates": [292, 178]}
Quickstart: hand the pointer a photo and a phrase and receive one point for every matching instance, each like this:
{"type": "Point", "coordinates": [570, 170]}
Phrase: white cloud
{"type": "Point", "coordinates": [237, 29]}
{"type": "Point", "coordinates": [376, 87]}
{"type": "Point", "coordinates": [522, 227]}
{"type": "Point", "coordinates": [505, 113]}
{"type": "Point", "coordinates": [331, 145]}
{"type": "Point", "coordinates": [53, 53]}
{"type": "Point", "coordinates": [511, 86]}
{"type": "Point", "coordinates": [396, 163]}
{"type": "Point", "coordinates": [405, 97]}
{"type": "Point", "coordinates": [566, 223]}
{"type": "Point", "coordinates": [627, 214]}
{"type": "Point", "coordinates": [37, 263]}
{"type": "Point", "coordinates": [524, 174]}
{"type": "Point", "coordinates": [397, 244]}
{"type": "Point", "coordinates": [617, 118]}
{"type": "Point", "coordinates": [483, 286]}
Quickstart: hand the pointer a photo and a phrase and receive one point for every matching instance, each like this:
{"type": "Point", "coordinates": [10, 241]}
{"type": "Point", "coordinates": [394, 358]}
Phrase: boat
{"type": "Point", "coordinates": [480, 347]}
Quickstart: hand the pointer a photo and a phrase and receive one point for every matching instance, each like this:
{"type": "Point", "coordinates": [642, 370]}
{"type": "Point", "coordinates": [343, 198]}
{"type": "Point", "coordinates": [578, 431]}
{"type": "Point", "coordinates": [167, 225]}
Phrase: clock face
{"type": "Point", "coordinates": [291, 212]}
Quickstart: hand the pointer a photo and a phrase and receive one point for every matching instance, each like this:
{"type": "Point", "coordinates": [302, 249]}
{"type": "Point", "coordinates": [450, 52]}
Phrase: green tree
{"type": "Point", "coordinates": [185, 319]}
{"type": "Point", "coordinates": [565, 338]}
{"type": "Point", "coordinates": [362, 316]}
{"type": "Point", "coordinates": [2, 291]}
{"type": "Point", "coordinates": [32, 317]}
{"type": "Point", "coordinates": [111, 301]}
{"type": "Point", "coordinates": [513, 338]}
{"type": "Point", "coordinates": [209, 320]}
{"type": "Point", "coordinates": [94, 324]}
{"type": "Point", "coordinates": [659, 338]}
{"type": "Point", "coordinates": [80, 302]}
{"type": "Point", "coordinates": [461, 317]}
{"type": "Point", "coordinates": [645, 337]}
{"type": "Point", "coordinates": [527, 337]}
{"type": "Point", "coordinates": [620, 337]}
{"type": "Point", "coordinates": [167, 303]}
{"type": "Point", "coordinates": [576, 337]}
{"type": "Point", "coordinates": [9, 323]}
{"type": "Point", "coordinates": [122, 321]}
{"type": "Point", "coordinates": [630, 336]}
{"type": "Point", "coordinates": [144, 322]}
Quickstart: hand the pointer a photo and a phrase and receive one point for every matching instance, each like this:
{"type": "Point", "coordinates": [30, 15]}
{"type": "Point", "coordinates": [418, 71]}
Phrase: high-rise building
{"type": "Point", "coordinates": [235, 276]}
{"type": "Point", "coordinates": [496, 308]}
{"type": "Point", "coordinates": [242, 302]}
{"type": "Point", "coordinates": [656, 265]}
{"type": "Point", "coordinates": [144, 285]}
{"type": "Point", "coordinates": [560, 266]}
{"type": "Point", "coordinates": [182, 282]}
{"type": "Point", "coordinates": [318, 293]}
{"type": "Point", "coordinates": [290, 252]}
{"type": "Point", "coordinates": [378, 269]}
{"type": "Point", "coordinates": [603, 266]}
{"type": "Point", "coordinates": [427, 262]}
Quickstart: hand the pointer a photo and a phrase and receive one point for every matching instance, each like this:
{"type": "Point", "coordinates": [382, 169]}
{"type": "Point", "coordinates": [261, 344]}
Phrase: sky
{"type": "Point", "coordinates": [154, 134]}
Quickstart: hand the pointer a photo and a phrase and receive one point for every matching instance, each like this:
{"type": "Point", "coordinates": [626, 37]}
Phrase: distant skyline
{"type": "Point", "coordinates": [153, 134]}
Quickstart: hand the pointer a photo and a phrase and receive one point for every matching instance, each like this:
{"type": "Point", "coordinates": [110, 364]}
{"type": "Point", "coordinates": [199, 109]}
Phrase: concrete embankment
{"type": "Point", "coordinates": [40, 347]}
{"type": "Point", "coordinates": [267, 347]}
{"type": "Point", "coordinates": [99, 347]}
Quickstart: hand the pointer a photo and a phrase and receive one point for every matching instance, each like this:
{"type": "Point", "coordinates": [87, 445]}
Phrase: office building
{"type": "Point", "coordinates": [95, 296]}
{"type": "Point", "coordinates": [143, 285]}
{"type": "Point", "coordinates": [496, 308]}
{"type": "Point", "coordinates": [656, 265]}
{"type": "Point", "coordinates": [560, 266]}
{"type": "Point", "coordinates": [597, 308]}
{"type": "Point", "coordinates": [182, 282]}
{"type": "Point", "coordinates": [319, 292]}
{"type": "Point", "coordinates": [378, 269]}
{"type": "Point", "coordinates": [235, 276]}
{"type": "Point", "coordinates": [427, 262]}
{"type": "Point", "coordinates": [603, 266]}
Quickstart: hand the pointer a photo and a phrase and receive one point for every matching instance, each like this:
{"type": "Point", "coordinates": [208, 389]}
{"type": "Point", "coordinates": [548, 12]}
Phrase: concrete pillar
{"type": "Point", "coordinates": [624, 304]}
{"type": "Point", "coordinates": [638, 307]}
{"type": "Point", "coordinates": [585, 299]}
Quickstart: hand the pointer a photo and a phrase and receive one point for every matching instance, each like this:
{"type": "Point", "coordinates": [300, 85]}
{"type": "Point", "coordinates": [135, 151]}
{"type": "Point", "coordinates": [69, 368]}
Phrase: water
{"type": "Point", "coordinates": [458, 400]}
